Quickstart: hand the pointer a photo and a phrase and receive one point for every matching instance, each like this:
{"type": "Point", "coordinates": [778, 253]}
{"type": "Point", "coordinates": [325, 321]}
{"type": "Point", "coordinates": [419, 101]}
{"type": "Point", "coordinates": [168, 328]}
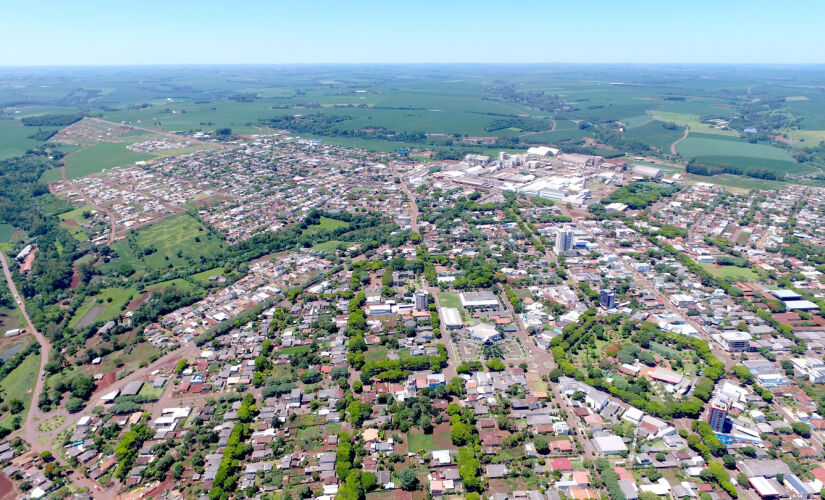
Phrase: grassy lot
{"type": "Point", "coordinates": [730, 272]}
{"type": "Point", "coordinates": [77, 214]}
{"type": "Point", "coordinates": [449, 299]}
{"type": "Point", "coordinates": [329, 246]}
{"type": "Point", "coordinates": [51, 175]}
{"type": "Point", "coordinates": [177, 282]}
{"type": "Point", "coordinates": [375, 353]}
{"type": "Point", "coordinates": [326, 224]}
{"type": "Point", "coordinates": [294, 350]}
{"type": "Point", "coordinates": [109, 303]}
{"type": "Point", "coordinates": [9, 319]}
{"type": "Point", "coordinates": [77, 232]}
{"type": "Point", "coordinates": [100, 157]}
{"type": "Point", "coordinates": [19, 383]}
{"type": "Point", "coordinates": [204, 276]}
{"type": "Point", "coordinates": [150, 392]}
{"type": "Point", "coordinates": [5, 232]}
{"type": "Point", "coordinates": [690, 120]}
{"type": "Point", "coordinates": [174, 241]}
{"type": "Point", "coordinates": [122, 361]}
{"type": "Point", "coordinates": [420, 441]}
{"type": "Point", "coordinates": [51, 424]}
{"type": "Point", "coordinates": [737, 183]}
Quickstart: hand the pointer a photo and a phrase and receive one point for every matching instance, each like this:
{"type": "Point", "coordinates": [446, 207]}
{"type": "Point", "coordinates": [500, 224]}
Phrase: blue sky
{"type": "Point", "coordinates": [85, 32]}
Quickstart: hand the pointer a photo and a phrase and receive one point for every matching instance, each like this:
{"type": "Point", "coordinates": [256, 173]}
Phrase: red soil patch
{"type": "Point", "coordinates": [75, 279]}
{"type": "Point", "coordinates": [107, 380]}
{"type": "Point", "coordinates": [131, 306]}
{"type": "Point", "coordinates": [7, 489]}
{"type": "Point", "coordinates": [441, 436]}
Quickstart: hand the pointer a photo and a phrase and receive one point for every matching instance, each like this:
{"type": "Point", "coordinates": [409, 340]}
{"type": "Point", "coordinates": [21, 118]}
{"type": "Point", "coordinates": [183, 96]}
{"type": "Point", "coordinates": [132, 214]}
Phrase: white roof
{"type": "Point", "coordinates": [763, 486]}
{"type": "Point", "coordinates": [451, 316]}
{"type": "Point", "coordinates": [607, 444]}
{"type": "Point", "coordinates": [111, 396]}
{"type": "Point", "coordinates": [441, 456]}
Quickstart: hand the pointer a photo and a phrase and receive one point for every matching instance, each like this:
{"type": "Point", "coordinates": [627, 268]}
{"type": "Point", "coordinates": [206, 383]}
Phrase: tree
{"type": "Point", "coordinates": [541, 444]}
{"type": "Point", "coordinates": [74, 405]}
{"type": "Point", "coordinates": [802, 429]}
{"type": "Point", "coordinates": [409, 482]}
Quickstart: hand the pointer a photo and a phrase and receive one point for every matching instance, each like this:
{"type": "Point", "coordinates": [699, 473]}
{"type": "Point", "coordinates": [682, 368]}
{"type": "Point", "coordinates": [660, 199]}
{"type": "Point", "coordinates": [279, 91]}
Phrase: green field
{"type": "Point", "coordinates": [14, 138]}
{"type": "Point", "coordinates": [100, 157]}
{"type": "Point", "coordinates": [655, 134]}
{"type": "Point", "coordinates": [732, 273]}
{"type": "Point", "coordinates": [172, 242]}
{"type": "Point", "coordinates": [420, 441]}
{"type": "Point", "coordinates": [19, 383]}
{"type": "Point", "coordinates": [101, 304]}
{"type": "Point", "coordinates": [326, 224]}
{"type": "Point", "coordinates": [691, 121]}
{"type": "Point", "coordinates": [51, 175]}
{"type": "Point", "coordinates": [738, 153]}
{"type": "Point", "coordinates": [5, 232]}
{"type": "Point", "coordinates": [204, 276]}
{"type": "Point", "coordinates": [77, 214]}
{"type": "Point", "coordinates": [180, 283]}
{"type": "Point", "coordinates": [330, 246]}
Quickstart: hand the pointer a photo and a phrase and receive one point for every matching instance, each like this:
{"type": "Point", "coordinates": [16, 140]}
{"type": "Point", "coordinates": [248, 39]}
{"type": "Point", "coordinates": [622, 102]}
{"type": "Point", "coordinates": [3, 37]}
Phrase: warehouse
{"type": "Point", "coordinates": [608, 445]}
{"type": "Point", "coordinates": [452, 319]}
{"type": "Point", "coordinates": [479, 300]}
{"type": "Point", "coordinates": [647, 171]}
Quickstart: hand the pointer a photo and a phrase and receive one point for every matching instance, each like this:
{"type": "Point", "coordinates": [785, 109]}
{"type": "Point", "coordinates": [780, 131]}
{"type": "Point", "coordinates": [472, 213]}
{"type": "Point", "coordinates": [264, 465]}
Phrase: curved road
{"type": "Point", "coordinates": [45, 351]}
{"type": "Point", "coordinates": [29, 429]}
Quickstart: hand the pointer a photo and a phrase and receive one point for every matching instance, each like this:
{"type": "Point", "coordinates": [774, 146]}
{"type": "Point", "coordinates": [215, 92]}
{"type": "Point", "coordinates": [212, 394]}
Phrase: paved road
{"type": "Point", "coordinates": [646, 284]}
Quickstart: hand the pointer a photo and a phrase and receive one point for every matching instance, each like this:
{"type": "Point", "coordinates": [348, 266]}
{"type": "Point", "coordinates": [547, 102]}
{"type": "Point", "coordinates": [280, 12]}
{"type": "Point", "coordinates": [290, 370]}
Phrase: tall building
{"type": "Point", "coordinates": [607, 298]}
{"type": "Point", "coordinates": [421, 300]}
{"type": "Point", "coordinates": [718, 414]}
{"type": "Point", "coordinates": [564, 241]}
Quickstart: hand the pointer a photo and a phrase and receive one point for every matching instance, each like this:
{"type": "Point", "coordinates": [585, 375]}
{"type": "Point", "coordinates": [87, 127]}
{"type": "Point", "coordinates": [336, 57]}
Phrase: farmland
{"type": "Point", "coordinates": [655, 134]}
{"type": "Point", "coordinates": [435, 108]}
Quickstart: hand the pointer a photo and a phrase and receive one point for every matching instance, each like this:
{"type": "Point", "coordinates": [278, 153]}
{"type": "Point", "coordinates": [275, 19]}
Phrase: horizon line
{"type": "Point", "coordinates": [420, 63]}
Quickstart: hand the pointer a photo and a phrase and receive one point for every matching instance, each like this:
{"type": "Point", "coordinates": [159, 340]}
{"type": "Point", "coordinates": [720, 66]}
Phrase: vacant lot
{"type": "Point", "coordinates": [326, 224]}
{"type": "Point", "coordinates": [19, 383]}
{"type": "Point", "coordinates": [419, 441]}
{"type": "Point", "coordinates": [175, 241]}
{"type": "Point", "coordinates": [99, 157]}
{"type": "Point", "coordinates": [102, 307]}
{"type": "Point", "coordinates": [731, 273]}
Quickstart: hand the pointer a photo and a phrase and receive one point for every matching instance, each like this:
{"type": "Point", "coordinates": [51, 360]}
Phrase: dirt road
{"type": "Point", "coordinates": [677, 141]}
